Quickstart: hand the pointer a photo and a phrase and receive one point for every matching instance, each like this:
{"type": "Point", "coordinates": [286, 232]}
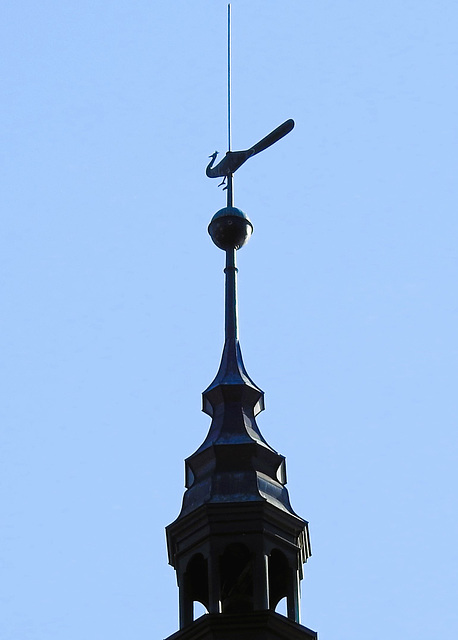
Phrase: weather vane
{"type": "Point", "coordinates": [233, 160]}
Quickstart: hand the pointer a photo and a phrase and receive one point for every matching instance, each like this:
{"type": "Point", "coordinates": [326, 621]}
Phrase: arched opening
{"type": "Point", "coordinates": [236, 571]}
{"type": "Point", "coordinates": [199, 610]}
{"type": "Point", "coordinates": [196, 578]}
{"type": "Point", "coordinates": [282, 607]}
{"type": "Point", "coordinates": [279, 575]}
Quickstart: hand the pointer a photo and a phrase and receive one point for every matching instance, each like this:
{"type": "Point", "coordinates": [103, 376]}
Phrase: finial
{"type": "Point", "coordinates": [230, 229]}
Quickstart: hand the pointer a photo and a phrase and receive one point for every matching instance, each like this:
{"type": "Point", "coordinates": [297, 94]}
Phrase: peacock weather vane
{"type": "Point", "coordinates": [230, 229]}
{"type": "Point", "coordinates": [233, 160]}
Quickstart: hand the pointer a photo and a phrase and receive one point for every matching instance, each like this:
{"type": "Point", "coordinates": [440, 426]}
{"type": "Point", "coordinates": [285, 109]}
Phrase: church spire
{"type": "Point", "coordinates": [237, 545]}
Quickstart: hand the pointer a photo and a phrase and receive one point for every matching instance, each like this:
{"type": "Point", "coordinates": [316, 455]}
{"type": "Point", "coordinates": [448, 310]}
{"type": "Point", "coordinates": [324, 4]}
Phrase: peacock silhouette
{"type": "Point", "coordinates": [233, 160]}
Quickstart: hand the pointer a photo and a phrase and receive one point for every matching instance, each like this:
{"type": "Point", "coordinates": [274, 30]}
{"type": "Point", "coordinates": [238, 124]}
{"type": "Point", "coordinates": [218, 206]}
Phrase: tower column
{"type": "Point", "coordinates": [293, 597]}
{"type": "Point", "coordinates": [214, 586]}
{"type": "Point", "coordinates": [261, 582]}
{"type": "Point", "coordinates": [186, 604]}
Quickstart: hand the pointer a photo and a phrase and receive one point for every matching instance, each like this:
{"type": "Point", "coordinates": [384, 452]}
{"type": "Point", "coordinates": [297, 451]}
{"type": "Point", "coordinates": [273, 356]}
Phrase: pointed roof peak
{"type": "Point", "coordinates": [234, 464]}
{"type": "Point", "coordinates": [230, 229]}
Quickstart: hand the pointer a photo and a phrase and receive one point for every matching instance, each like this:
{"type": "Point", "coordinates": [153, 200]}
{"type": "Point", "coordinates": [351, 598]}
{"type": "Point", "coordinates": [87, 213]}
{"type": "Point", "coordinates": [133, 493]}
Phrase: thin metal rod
{"type": "Point", "coordinates": [231, 319]}
{"type": "Point", "coordinates": [229, 108]}
{"type": "Point", "coordinates": [230, 190]}
{"type": "Point", "coordinates": [230, 177]}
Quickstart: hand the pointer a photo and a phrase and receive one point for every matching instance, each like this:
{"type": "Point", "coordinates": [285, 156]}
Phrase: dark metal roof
{"type": "Point", "coordinates": [234, 463]}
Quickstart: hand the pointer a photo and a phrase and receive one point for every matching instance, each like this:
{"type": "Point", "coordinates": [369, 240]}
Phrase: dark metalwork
{"type": "Point", "coordinates": [237, 545]}
{"type": "Point", "coordinates": [230, 229]}
{"type": "Point", "coordinates": [233, 160]}
{"type": "Point", "coordinates": [256, 625]}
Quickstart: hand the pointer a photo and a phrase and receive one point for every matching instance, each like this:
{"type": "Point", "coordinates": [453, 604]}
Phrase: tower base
{"type": "Point", "coordinates": [257, 625]}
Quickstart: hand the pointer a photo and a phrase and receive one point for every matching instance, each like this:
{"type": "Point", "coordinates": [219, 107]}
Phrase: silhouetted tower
{"type": "Point", "coordinates": [237, 545]}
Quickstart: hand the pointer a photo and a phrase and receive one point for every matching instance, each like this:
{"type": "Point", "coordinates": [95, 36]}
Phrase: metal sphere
{"type": "Point", "coordinates": [230, 228]}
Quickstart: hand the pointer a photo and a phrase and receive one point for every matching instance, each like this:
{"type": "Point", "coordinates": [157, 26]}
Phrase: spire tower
{"type": "Point", "coordinates": [237, 545]}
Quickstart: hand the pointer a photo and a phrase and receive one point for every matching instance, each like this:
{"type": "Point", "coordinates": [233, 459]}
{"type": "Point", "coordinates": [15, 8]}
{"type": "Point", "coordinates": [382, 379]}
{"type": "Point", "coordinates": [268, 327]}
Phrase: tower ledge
{"type": "Point", "coordinates": [260, 625]}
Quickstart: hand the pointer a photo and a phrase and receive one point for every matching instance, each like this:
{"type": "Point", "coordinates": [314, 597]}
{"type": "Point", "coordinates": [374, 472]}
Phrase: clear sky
{"type": "Point", "coordinates": [112, 300]}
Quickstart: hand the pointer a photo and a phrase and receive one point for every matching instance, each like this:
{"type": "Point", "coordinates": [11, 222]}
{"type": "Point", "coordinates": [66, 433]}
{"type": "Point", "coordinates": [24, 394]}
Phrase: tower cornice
{"type": "Point", "coordinates": [259, 625]}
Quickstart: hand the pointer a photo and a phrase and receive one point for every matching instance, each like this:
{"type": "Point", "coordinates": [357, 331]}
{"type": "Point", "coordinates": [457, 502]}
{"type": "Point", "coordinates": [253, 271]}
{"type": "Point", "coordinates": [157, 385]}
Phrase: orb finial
{"type": "Point", "coordinates": [230, 228]}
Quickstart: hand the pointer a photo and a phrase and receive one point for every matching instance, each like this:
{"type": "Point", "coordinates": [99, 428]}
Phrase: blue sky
{"type": "Point", "coordinates": [112, 295]}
